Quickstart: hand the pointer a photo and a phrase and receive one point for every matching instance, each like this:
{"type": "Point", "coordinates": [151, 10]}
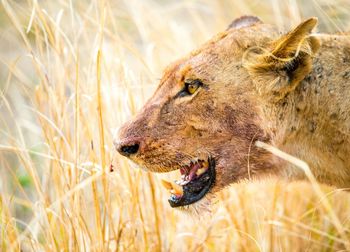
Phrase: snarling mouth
{"type": "Point", "coordinates": [196, 181]}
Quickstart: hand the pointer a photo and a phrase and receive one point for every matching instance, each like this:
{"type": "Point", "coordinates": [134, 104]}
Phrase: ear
{"type": "Point", "coordinates": [279, 69]}
{"type": "Point", "coordinates": [243, 21]}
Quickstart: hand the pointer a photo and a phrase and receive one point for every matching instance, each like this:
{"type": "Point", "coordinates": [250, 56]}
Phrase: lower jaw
{"type": "Point", "coordinates": [196, 189]}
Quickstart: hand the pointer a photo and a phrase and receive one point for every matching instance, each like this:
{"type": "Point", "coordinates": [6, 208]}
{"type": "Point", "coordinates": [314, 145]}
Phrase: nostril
{"type": "Point", "coordinates": [129, 149]}
{"type": "Point", "coordinates": [128, 146]}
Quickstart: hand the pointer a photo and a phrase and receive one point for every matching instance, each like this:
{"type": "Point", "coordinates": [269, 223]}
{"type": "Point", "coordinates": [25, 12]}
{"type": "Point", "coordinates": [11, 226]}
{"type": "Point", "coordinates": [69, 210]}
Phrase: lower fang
{"type": "Point", "coordinates": [201, 171]}
{"type": "Point", "coordinates": [166, 184]}
{"type": "Point", "coordinates": [177, 194]}
{"type": "Point", "coordinates": [177, 190]}
{"type": "Point", "coordinates": [205, 164]}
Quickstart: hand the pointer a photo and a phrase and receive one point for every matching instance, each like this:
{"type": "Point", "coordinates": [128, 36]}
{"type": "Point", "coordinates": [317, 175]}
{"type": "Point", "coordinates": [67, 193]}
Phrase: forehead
{"type": "Point", "coordinates": [208, 55]}
{"type": "Point", "coordinates": [225, 48]}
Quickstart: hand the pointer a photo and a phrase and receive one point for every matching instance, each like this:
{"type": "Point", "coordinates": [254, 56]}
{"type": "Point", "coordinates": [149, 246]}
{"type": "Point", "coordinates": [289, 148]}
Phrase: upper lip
{"type": "Point", "coordinates": [192, 187]}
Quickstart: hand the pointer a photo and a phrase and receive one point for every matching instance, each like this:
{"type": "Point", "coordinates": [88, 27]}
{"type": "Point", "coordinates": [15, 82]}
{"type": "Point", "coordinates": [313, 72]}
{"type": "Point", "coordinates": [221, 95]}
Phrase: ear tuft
{"type": "Point", "coordinates": [243, 21]}
{"type": "Point", "coordinates": [294, 40]}
{"type": "Point", "coordinates": [279, 69]}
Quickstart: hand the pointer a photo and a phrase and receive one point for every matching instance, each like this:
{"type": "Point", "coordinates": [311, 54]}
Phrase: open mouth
{"type": "Point", "coordinates": [197, 179]}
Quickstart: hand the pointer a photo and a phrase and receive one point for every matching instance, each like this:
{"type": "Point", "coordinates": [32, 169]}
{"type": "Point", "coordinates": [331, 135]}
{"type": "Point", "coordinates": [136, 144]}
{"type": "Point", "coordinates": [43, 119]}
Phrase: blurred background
{"type": "Point", "coordinates": [72, 72]}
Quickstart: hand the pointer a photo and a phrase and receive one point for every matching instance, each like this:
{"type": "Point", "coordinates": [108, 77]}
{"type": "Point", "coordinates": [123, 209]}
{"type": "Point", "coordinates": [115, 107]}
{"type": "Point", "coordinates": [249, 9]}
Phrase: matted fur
{"type": "Point", "coordinates": [290, 90]}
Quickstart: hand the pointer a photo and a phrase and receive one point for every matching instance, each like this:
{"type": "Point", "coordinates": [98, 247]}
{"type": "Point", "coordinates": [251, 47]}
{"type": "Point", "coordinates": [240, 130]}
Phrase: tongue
{"type": "Point", "coordinates": [177, 187]}
{"type": "Point", "coordinates": [193, 171]}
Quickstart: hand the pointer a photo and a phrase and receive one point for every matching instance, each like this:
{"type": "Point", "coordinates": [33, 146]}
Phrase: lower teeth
{"type": "Point", "coordinates": [176, 187]}
{"type": "Point", "coordinates": [184, 182]}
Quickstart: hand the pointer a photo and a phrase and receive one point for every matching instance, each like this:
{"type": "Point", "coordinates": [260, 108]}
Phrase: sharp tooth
{"type": "Point", "coordinates": [205, 164]}
{"type": "Point", "coordinates": [201, 171]}
{"type": "Point", "coordinates": [181, 182]}
{"type": "Point", "coordinates": [174, 187]}
{"type": "Point", "coordinates": [177, 194]}
{"type": "Point", "coordinates": [178, 182]}
{"type": "Point", "coordinates": [177, 190]}
{"type": "Point", "coordinates": [184, 182]}
{"type": "Point", "coordinates": [168, 185]}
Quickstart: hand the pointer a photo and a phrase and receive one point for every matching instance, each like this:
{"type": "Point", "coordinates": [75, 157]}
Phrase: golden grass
{"type": "Point", "coordinates": [74, 71]}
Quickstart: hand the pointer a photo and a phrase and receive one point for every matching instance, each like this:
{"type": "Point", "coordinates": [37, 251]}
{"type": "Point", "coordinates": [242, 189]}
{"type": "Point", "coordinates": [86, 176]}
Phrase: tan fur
{"type": "Point", "coordinates": [290, 90]}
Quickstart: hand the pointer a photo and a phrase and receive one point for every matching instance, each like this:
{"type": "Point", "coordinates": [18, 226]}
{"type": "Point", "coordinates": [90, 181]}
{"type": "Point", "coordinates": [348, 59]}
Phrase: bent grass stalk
{"type": "Point", "coordinates": [315, 185]}
{"type": "Point", "coordinates": [78, 69]}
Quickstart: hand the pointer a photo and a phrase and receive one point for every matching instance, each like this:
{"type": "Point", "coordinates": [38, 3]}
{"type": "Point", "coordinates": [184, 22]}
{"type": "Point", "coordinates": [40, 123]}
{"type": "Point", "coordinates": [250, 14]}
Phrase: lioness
{"type": "Point", "coordinates": [249, 83]}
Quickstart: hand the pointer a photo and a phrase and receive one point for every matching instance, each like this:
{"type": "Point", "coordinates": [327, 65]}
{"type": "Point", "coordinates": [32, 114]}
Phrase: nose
{"type": "Point", "coordinates": [127, 147]}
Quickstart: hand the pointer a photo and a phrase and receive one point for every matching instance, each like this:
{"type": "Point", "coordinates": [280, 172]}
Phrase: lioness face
{"type": "Point", "coordinates": [202, 120]}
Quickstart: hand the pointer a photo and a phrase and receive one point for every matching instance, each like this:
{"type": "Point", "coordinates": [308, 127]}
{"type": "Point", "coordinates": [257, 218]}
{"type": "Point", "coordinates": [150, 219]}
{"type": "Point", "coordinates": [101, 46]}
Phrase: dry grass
{"type": "Point", "coordinates": [71, 73]}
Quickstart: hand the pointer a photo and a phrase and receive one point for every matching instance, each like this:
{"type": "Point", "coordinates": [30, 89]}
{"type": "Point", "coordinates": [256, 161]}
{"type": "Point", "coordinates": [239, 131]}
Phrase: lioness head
{"type": "Point", "coordinates": [207, 112]}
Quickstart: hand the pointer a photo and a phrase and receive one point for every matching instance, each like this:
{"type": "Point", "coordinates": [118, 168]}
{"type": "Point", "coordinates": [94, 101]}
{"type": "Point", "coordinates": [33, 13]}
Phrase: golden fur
{"type": "Point", "coordinates": [290, 89]}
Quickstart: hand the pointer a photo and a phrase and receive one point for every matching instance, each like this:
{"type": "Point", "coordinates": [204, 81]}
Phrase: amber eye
{"type": "Point", "coordinates": [192, 86]}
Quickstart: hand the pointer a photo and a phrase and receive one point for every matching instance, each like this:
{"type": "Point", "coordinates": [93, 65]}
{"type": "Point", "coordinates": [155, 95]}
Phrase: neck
{"type": "Point", "coordinates": [312, 122]}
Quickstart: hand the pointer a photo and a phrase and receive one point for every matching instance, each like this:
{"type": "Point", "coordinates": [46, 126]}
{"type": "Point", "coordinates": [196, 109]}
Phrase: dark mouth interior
{"type": "Point", "coordinates": [197, 188]}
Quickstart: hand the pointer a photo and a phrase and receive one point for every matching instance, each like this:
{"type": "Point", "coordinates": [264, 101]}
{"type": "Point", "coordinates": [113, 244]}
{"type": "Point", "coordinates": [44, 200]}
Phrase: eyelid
{"type": "Point", "coordinates": [184, 91]}
{"type": "Point", "coordinates": [193, 81]}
